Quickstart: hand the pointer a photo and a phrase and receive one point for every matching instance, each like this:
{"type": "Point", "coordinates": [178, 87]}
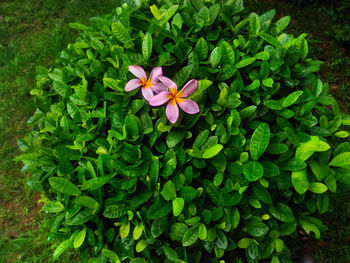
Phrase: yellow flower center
{"type": "Point", "coordinates": [146, 83]}
{"type": "Point", "coordinates": [174, 96]}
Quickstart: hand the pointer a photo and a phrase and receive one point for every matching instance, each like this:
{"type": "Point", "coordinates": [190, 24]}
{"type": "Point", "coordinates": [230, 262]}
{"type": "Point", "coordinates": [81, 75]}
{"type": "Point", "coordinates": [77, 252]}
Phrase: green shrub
{"type": "Point", "coordinates": [231, 183]}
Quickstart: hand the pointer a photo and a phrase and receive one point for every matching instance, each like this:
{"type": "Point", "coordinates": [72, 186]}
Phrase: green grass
{"type": "Point", "coordinates": [31, 34]}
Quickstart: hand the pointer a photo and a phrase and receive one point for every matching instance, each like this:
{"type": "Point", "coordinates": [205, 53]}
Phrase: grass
{"type": "Point", "coordinates": [33, 32]}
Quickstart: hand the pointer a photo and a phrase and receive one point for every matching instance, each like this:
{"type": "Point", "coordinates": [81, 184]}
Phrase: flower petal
{"type": "Point", "coordinates": [159, 99]}
{"type": "Point", "coordinates": [132, 84]}
{"type": "Point", "coordinates": [172, 111]}
{"type": "Point", "coordinates": [138, 71]}
{"type": "Point", "coordinates": [159, 87]}
{"type": "Point", "coordinates": [188, 106]}
{"type": "Point", "coordinates": [189, 88]}
{"type": "Point", "coordinates": [168, 82]}
{"type": "Point", "coordinates": [155, 74]}
{"type": "Point", "coordinates": [147, 93]}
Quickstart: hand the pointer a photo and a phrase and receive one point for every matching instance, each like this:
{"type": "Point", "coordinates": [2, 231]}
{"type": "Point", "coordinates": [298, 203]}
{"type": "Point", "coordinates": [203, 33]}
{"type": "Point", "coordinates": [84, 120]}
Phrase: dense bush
{"type": "Point", "coordinates": [233, 182]}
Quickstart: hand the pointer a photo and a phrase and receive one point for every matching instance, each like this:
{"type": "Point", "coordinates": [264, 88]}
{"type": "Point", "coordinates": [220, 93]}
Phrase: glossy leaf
{"type": "Point", "coordinates": [253, 171]}
{"type": "Point", "coordinates": [260, 141]}
{"type": "Point", "coordinates": [64, 186]}
{"type": "Point", "coordinates": [300, 181]}
{"type": "Point", "coordinates": [147, 44]}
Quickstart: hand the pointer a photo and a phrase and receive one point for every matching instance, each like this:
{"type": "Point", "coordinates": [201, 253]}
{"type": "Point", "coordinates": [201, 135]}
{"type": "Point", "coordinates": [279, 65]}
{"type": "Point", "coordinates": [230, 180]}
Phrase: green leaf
{"type": "Point", "coordinates": [169, 13]}
{"type": "Point", "coordinates": [131, 125]}
{"type": "Point", "coordinates": [215, 57]}
{"type": "Point", "coordinates": [212, 151]}
{"type": "Point", "coordinates": [253, 171]}
{"type": "Point", "coordinates": [182, 75]}
{"type": "Point", "coordinates": [61, 88]}
{"type": "Point", "coordinates": [141, 198]}
{"type": "Point", "coordinates": [174, 137]}
{"type": "Point", "coordinates": [79, 239]}
{"type": "Point", "coordinates": [245, 62]}
{"type": "Point", "coordinates": [248, 111]}
{"type": "Point", "coordinates": [252, 86]}
{"type": "Point", "coordinates": [270, 39]}
{"type": "Point", "coordinates": [282, 212]}
{"type": "Point", "coordinates": [159, 209]}
{"type": "Point", "coordinates": [88, 201]}
{"type": "Point", "coordinates": [203, 16]}
{"type": "Point", "coordinates": [300, 181]}
{"type": "Point", "coordinates": [122, 34]}
{"type": "Point", "coordinates": [228, 56]}
{"type": "Point", "coordinates": [141, 245]}
{"type": "Point", "coordinates": [178, 205]}
{"type": "Point", "coordinates": [291, 98]}
{"type": "Point", "coordinates": [138, 260]}
{"type": "Point", "coordinates": [170, 254]}
{"type": "Point", "coordinates": [155, 12]}
{"type": "Point", "coordinates": [169, 192]}
{"type": "Point", "coordinates": [282, 23]}
{"type": "Point", "coordinates": [308, 226]}
{"type": "Point", "coordinates": [288, 228]}
{"type": "Point", "coordinates": [320, 170]}
{"type": "Point", "coordinates": [53, 206]}
{"type": "Point", "coordinates": [322, 203]}
{"type": "Point", "coordinates": [279, 245]}
{"type": "Point", "coordinates": [244, 243]}
{"type": "Point", "coordinates": [202, 48]}
{"type": "Point", "coordinates": [277, 148]}
{"type": "Point", "coordinates": [115, 211]}
{"type": "Point", "coordinates": [147, 44]}
{"type": "Point", "coordinates": [190, 236]}
{"type": "Point", "coordinates": [254, 24]}
{"type": "Point", "coordinates": [64, 186]}
{"type": "Point", "coordinates": [305, 150]}
{"type": "Point", "coordinates": [82, 217]}
{"type": "Point", "coordinates": [268, 82]}
{"type": "Point", "coordinates": [202, 232]}
{"type": "Point", "coordinates": [226, 72]}
{"type": "Point", "coordinates": [317, 188]}
{"type": "Point", "coordinates": [110, 255]}
{"type": "Point", "coordinates": [341, 160]}
{"type": "Point", "coordinates": [177, 231]}
{"type": "Point", "coordinates": [61, 248]}
{"type": "Point", "coordinates": [302, 48]}
{"type": "Point", "coordinates": [97, 182]}
{"type": "Point", "coordinates": [235, 218]}
{"type": "Point", "coordinates": [203, 85]}
{"type": "Point", "coordinates": [264, 55]}
{"type": "Point", "coordinates": [262, 194]}
{"type": "Point", "coordinates": [214, 11]}
{"type": "Point", "coordinates": [342, 134]}
{"type": "Point", "coordinates": [270, 169]}
{"type": "Point", "coordinates": [260, 141]}
{"type": "Point", "coordinates": [221, 241]}
{"type": "Point", "coordinates": [212, 192]}
{"type": "Point", "coordinates": [256, 228]}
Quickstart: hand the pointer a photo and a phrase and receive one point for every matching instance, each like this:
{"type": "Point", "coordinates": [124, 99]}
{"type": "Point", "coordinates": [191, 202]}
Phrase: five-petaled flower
{"type": "Point", "coordinates": [148, 86]}
{"type": "Point", "coordinates": [176, 98]}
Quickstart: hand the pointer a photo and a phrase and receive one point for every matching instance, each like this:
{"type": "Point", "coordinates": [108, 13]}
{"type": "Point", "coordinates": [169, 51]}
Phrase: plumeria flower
{"type": "Point", "coordinates": [148, 86]}
{"type": "Point", "coordinates": [176, 99]}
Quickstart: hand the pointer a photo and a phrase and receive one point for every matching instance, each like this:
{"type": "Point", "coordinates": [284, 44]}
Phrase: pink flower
{"type": "Point", "coordinates": [176, 98]}
{"type": "Point", "coordinates": [149, 85]}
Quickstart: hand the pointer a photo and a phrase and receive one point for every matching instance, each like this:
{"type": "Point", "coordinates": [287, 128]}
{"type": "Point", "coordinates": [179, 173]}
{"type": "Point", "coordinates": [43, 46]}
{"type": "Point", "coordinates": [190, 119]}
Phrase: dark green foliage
{"type": "Point", "coordinates": [229, 182]}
